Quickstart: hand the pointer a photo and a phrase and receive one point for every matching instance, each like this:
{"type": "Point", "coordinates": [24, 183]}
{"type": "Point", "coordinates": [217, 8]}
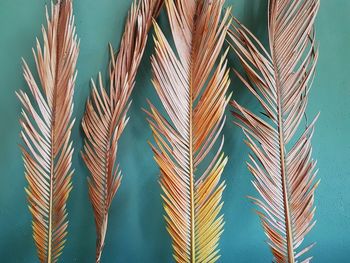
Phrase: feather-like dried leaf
{"type": "Point", "coordinates": [191, 82]}
{"type": "Point", "coordinates": [106, 114]}
{"type": "Point", "coordinates": [282, 165]}
{"type": "Point", "coordinates": [46, 129]}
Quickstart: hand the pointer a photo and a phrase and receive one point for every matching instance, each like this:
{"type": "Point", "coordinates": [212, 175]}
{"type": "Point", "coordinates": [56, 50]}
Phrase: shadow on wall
{"type": "Point", "coordinates": [255, 19]}
{"type": "Point", "coordinates": [241, 221]}
{"type": "Point", "coordinates": [149, 218]}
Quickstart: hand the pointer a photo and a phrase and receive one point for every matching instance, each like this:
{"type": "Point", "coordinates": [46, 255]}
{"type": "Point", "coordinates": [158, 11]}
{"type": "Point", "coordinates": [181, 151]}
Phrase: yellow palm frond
{"type": "Point", "coordinates": [191, 82]}
{"type": "Point", "coordinates": [46, 130]}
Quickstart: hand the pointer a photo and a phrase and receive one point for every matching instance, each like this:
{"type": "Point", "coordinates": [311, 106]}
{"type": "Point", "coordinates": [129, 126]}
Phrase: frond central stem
{"type": "Point", "coordinates": [288, 223]}
{"type": "Point", "coordinates": [192, 182]}
{"type": "Point", "coordinates": [108, 169]}
{"type": "Point", "coordinates": [54, 151]}
{"type": "Point", "coordinates": [60, 19]}
{"type": "Point", "coordinates": [193, 247]}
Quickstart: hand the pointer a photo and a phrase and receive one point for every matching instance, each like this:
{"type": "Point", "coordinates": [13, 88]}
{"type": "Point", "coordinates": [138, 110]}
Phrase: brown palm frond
{"type": "Point", "coordinates": [46, 123]}
{"type": "Point", "coordinates": [192, 89]}
{"type": "Point", "coordinates": [105, 117]}
{"type": "Point", "coordinates": [282, 165]}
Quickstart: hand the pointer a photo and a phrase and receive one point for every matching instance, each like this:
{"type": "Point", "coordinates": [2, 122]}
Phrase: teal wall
{"type": "Point", "coordinates": [136, 230]}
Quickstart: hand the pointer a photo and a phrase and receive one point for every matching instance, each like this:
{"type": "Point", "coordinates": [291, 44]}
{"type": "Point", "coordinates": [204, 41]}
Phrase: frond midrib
{"type": "Point", "coordinates": [52, 138]}
{"type": "Point", "coordinates": [282, 144]}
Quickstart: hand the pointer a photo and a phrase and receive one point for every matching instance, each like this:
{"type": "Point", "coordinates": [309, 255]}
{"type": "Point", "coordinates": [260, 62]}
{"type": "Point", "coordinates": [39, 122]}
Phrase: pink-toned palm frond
{"type": "Point", "coordinates": [105, 116]}
{"type": "Point", "coordinates": [46, 129]}
{"type": "Point", "coordinates": [282, 165]}
{"type": "Point", "coordinates": [191, 82]}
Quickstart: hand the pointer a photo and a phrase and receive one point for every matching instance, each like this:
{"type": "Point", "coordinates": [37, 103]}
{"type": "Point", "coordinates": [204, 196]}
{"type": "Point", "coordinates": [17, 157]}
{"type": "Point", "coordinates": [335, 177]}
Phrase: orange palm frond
{"type": "Point", "coordinates": [191, 82]}
{"type": "Point", "coordinates": [46, 129]}
{"type": "Point", "coordinates": [281, 163]}
{"type": "Point", "coordinates": [105, 117]}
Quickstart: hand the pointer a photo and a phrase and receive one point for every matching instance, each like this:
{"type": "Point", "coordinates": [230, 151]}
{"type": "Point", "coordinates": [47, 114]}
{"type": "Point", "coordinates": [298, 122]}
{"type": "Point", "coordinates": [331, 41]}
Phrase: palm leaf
{"type": "Point", "coordinates": [46, 129]}
{"type": "Point", "coordinates": [105, 116]}
{"type": "Point", "coordinates": [281, 163]}
{"type": "Point", "coordinates": [192, 89]}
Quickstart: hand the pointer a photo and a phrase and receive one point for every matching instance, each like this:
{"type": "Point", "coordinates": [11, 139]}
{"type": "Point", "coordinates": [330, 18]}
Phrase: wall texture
{"type": "Point", "coordinates": [136, 231]}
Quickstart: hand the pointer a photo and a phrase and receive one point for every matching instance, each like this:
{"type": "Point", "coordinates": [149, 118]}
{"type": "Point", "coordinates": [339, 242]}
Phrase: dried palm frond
{"type": "Point", "coordinates": [46, 123]}
{"type": "Point", "coordinates": [282, 165]}
{"type": "Point", "coordinates": [193, 90]}
{"type": "Point", "coordinates": [105, 116]}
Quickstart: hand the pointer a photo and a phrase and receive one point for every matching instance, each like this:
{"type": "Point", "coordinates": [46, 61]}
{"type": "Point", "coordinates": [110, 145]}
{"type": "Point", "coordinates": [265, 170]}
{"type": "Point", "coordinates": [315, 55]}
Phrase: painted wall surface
{"type": "Point", "coordinates": [136, 226]}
